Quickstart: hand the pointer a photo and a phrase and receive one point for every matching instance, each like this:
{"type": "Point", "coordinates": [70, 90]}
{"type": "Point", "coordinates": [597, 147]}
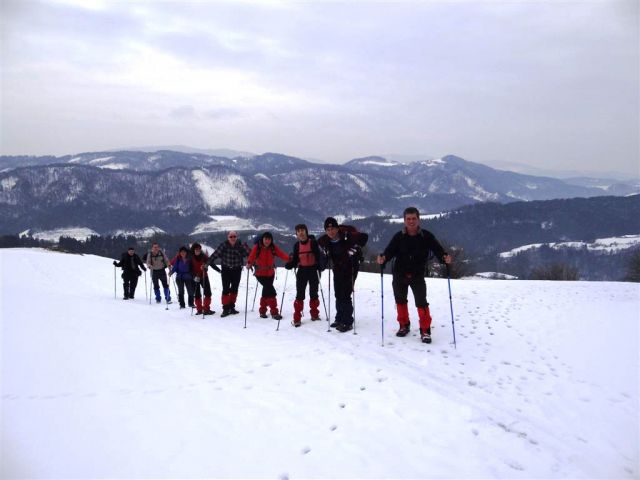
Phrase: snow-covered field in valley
{"type": "Point", "coordinates": [543, 384]}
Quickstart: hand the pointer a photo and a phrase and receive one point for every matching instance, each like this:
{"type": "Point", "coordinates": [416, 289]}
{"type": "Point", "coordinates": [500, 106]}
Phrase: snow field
{"type": "Point", "coordinates": [543, 384]}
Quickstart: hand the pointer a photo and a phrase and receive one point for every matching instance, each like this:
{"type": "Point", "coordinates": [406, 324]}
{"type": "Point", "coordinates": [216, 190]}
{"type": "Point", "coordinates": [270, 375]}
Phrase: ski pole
{"type": "Point", "coordinates": [115, 294]}
{"type": "Point", "coordinates": [382, 302]}
{"type": "Point", "coordinates": [322, 293]}
{"type": "Point", "coordinates": [150, 286]}
{"type": "Point", "coordinates": [146, 293]}
{"type": "Point", "coordinates": [255, 294]}
{"type": "Point", "coordinates": [329, 300]}
{"type": "Point", "coordinates": [246, 300]}
{"type": "Point", "coordinates": [286, 276]}
{"type": "Point", "coordinates": [353, 291]}
{"type": "Point", "coordinates": [453, 325]}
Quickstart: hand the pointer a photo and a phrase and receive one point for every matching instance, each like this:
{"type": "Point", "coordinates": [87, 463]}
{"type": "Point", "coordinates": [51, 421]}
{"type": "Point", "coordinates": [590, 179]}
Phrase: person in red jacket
{"type": "Point", "coordinates": [263, 256]}
{"type": "Point", "coordinates": [199, 261]}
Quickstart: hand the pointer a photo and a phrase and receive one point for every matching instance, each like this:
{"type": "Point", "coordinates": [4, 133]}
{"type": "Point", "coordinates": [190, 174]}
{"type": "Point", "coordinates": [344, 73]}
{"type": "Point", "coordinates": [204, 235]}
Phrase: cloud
{"type": "Point", "coordinates": [533, 82]}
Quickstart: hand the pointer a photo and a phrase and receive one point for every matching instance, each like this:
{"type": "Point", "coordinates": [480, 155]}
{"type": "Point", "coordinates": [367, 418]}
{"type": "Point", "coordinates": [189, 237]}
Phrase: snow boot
{"type": "Point", "coordinates": [425, 335]}
{"type": "Point", "coordinates": [206, 304]}
{"type": "Point", "coordinates": [298, 305]}
{"type": "Point", "coordinates": [403, 320]}
{"type": "Point", "coordinates": [425, 318]}
{"type": "Point", "coordinates": [263, 307]}
{"type": "Point", "coordinates": [314, 312]}
{"type": "Point", "coordinates": [232, 302]}
{"type": "Point", "coordinates": [273, 308]}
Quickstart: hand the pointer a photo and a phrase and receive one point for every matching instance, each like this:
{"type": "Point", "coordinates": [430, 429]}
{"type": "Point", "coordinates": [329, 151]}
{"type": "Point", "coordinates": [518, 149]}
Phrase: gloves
{"type": "Point", "coordinates": [115, 264]}
{"type": "Point", "coordinates": [353, 251]}
{"type": "Point", "coordinates": [288, 265]}
{"type": "Point", "coordinates": [196, 279]}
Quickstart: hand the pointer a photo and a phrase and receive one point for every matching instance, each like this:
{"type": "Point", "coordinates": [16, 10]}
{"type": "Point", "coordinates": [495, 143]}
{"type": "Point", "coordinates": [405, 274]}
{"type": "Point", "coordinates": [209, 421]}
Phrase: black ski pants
{"type": "Point", "coordinates": [304, 276]}
{"type": "Point", "coordinates": [343, 287]}
{"type": "Point", "coordinates": [129, 284]}
{"type": "Point", "coordinates": [401, 283]}
{"type": "Point", "coordinates": [206, 288]}
{"type": "Point", "coordinates": [268, 289]}
{"type": "Point", "coordinates": [157, 277]}
{"type": "Point", "coordinates": [230, 280]}
{"type": "Point", "coordinates": [182, 285]}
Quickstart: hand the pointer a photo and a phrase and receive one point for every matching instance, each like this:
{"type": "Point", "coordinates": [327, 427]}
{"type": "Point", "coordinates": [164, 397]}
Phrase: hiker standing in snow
{"type": "Point", "coordinates": [343, 246]}
{"type": "Point", "coordinates": [157, 262]}
{"type": "Point", "coordinates": [199, 261]}
{"type": "Point", "coordinates": [129, 262]}
{"type": "Point", "coordinates": [411, 248]}
{"type": "Point", "coordinates": [181, 266]}
{"type": "Point", "coordinates": [231, 253]}
{"type": "Point", "coordinates": [263, 256]}
{"type": "Point", "coordinates": [309, 260]}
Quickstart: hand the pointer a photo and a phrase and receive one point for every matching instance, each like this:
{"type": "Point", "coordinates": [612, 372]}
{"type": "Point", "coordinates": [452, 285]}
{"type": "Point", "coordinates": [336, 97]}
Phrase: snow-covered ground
{"type": "Point", "coordinates": [543, 383]}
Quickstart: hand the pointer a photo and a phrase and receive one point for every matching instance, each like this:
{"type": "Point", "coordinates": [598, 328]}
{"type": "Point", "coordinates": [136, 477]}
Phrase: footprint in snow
{"type": "Point", "coordinates": [305, 450]}
{"type": "Point", "coordinates": [342, 405]}
{"type": "Point", "coordinates": [333, 428]}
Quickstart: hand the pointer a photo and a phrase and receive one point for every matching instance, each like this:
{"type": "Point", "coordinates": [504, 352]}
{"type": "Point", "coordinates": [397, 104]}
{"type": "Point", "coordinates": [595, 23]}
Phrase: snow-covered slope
{"type": "Point", "coordinates": [543, 383]}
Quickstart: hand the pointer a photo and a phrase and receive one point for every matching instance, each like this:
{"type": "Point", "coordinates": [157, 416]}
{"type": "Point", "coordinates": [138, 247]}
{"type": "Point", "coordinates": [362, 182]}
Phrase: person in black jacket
{"type": "Point", "coordinates": [411, 248]}
{"type": "Point", "coordinates": [343, 246]}
{"type": "Point", "coordinates": [309, 260]}
{"type": "Point", "coordinates": [129, 262]}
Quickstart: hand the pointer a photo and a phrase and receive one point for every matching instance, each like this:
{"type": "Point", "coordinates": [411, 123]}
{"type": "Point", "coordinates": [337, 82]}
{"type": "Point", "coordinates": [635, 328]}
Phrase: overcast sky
{"type": "Point", "coordinates": [551, 84]}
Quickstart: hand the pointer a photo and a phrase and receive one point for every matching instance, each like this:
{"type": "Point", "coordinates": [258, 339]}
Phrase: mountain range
{"type": "Point", "coordinates": [180, 192]}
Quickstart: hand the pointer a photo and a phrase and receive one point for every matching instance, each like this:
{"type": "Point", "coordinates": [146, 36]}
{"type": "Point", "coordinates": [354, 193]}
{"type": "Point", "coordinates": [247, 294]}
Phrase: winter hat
{"type": "Point", "coordinates": [330, 222]}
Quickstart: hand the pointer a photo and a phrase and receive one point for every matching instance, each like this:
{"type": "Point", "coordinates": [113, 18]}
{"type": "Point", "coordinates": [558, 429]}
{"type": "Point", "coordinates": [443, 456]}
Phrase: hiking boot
{"type": "Point", "coordinates": [233, 311]}
{"type": "Point", "coordinates": [198, 312]}
{"type": "Point", "coordinates": [169, 302]}
{"type": "Point", "coordinates": [341, 327]}
{"type": "Point", "coordinates": [209, 312]}
{"type": "Point", "coordinates": [315, 319]}
{"type": "Point", "coordinates": [263, 315]}
{"type": "Point", "coordinates": [182, 305]}
{"type": "Point", "coordinates": [425, 335]}
{"type": "Point", "coordinates": [125, 298]}
{"type": "Point", "coordinates": [403, 330]}
{"type": "Point", "coordinates": [334, 324]}
{"type": "Point", "coordinates": [276, 316]}
{"type": "Point", "coordinates": [225, 313]}
{"type": "Point", "coordinates": [296, 323]}
{"type": "Point", "coordinates": [158, 300]}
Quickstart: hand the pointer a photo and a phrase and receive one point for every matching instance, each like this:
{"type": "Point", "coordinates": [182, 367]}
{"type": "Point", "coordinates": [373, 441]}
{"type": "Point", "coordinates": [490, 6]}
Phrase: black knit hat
{"type": "Point", "coordinates": [330, 222]}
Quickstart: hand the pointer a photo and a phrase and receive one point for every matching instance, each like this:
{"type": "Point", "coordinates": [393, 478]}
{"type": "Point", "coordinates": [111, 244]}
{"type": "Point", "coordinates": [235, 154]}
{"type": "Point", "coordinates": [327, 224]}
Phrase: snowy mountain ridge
{"type": "Point", "coordinates": [177, 191]}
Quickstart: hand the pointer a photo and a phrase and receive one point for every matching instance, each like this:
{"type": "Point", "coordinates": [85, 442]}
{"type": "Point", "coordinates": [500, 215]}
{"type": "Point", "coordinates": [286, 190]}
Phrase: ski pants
{"type": "Point", "coordinates": [185, 283]}
{"type": "Point", "coordinates": [401, 283]}
{"type": "Point", "coordinates": [268, 290]}
{"type": "Point", "coordinates": [206, 288]}
{"type": "Point", "coordinates": [159, 276]}
{"type": "Point", "coordinates": [343, 288]}
{"type": "Point", "coordinates": [230, 280]}
{"type": "Point", "coordinates": [129, 283]}
{"type": "Point", "coordinates": [304, 276]}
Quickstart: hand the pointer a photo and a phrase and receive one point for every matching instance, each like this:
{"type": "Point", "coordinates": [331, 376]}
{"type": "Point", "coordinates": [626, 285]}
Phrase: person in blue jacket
{"type": "Point", "coordinates": [181, 266]}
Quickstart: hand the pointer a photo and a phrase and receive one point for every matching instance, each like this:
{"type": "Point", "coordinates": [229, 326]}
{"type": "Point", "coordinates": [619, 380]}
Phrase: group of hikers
{"type": "Point", "coordinates": [339, 248]}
